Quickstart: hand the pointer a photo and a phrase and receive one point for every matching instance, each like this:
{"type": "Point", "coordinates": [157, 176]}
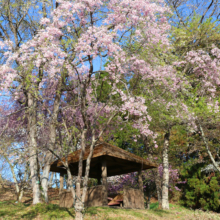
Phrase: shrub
{"type": "Point", "coordinates": [201, 189]}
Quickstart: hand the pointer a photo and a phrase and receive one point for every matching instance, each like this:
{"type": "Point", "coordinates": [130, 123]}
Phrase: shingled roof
{"type": "Point", "coordinates": [118, 161]}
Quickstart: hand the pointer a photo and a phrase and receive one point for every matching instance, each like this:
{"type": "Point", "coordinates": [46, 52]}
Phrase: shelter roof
{"type": "Point", "coordinates": [119, 161]}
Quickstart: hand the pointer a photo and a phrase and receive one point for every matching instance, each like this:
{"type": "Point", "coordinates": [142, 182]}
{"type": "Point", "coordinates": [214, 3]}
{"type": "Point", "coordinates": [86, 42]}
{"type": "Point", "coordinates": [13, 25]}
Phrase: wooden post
{"type": "Point", "coordinates": [140, 181]}
{"type": "Point", "coordinates": [104, 181]}
{"type": "Point", "coordinates": [61, 182]}
{"type": "Point", "coordinates": [99, 172]}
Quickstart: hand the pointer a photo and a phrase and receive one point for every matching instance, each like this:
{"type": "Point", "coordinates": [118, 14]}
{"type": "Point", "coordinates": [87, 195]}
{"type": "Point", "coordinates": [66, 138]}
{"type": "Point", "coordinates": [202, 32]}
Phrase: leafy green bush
{"type": "Point", "coordinates": [201, 189]}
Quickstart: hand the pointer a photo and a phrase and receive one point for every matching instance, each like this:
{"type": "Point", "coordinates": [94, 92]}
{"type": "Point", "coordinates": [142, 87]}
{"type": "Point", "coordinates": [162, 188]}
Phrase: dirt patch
{"type": "Point", "coordinates": [153, 200]}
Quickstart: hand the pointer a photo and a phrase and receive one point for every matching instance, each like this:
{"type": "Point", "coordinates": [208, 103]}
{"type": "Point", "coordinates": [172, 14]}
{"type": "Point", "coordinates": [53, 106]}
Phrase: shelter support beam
{"type": "Point", "coordinates": [99, 172]}
{"type": "Point", "coordinates": [104, 181]}
{"type": "Point", "coordinates": [140, 181]}
{"type": "Point", "coordinates": [61, 182]}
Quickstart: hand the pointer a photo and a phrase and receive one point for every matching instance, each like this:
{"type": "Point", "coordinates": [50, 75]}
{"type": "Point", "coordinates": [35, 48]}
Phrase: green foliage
{"type": "Point", "coordinates": [201, 189]}
{"type": "Point", "coordinates": [195, 35]}
{"type": "Point", "coordinates": [103, 89]}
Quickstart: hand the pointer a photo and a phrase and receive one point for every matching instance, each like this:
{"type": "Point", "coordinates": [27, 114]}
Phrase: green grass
{"type": "Point", "coordinates": [12, 210]}
{"type": "Point", "coordinates": [154, 205]}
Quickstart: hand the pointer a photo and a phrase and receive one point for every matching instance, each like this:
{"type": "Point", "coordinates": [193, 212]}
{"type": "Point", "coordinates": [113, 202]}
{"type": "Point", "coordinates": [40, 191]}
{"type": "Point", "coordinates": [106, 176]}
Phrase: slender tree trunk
{"type": "Point", "coordinates": [69, 178]}
{"type": "Point", "coordinates": [165, 186]}
{"type": "Point", "coordinates": [70, 182]}
{"type": "Point", "coordinates": [23, 183]}
{"type": "Point", "coordinates": [79, 207]}
{"type": "Point", "coordinates": [1, 181]}
{"type": "Point", "coordinates": [87, 169]}
{"type": "Point", "coordinates": [104, 182]}
{"type": "Point", "coordinates": [52, 141]}
{"type": "Point", "coordinates": [207, 148]}
{"type": "Point", "coordinates": [149, 195]}
{"type": "Point", "coordinates": [61, 182]}
{"type": "Point", "coordinates": [79, 215]}
{"type": "Point", "coordinates": [45, 176]}
{"type": "Point", "coordinates": [21, 195]}
{"type": "Point", "coordinates": [156, 174]}
{"type": "Point", "coordinates": [157, 179]}
{"type": "Point", "coordinates": [32, 121]}
{"type": "Point", "coordinates": [13, 176]}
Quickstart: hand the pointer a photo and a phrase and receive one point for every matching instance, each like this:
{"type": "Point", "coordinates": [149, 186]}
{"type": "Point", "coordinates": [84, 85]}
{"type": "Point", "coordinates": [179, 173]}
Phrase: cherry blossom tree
{"type": "Point", "coordinates": [58, 66]}
{"type": "Point", "coordinates": [20, 24]}
{"type": "Point", "coordinates": [202, 70]}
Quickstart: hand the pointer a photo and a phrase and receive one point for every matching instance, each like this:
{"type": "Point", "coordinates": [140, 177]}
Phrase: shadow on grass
{"type": "Point", "coordinates": [70, 213]}
{"type": "Point", "coordinates": [154, 207]}
{"type": "Point", "coordinates": [92, 211]}
{"type": "Point", "coordinates": [12, 210]}
{"type": "Point", "coordinates": [160, 212]}
{"type": "Point", "coordinates": [50, 211]}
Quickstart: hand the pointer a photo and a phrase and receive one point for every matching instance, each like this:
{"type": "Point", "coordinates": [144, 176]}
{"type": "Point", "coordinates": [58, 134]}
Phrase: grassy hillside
{"type": "Point", "coordinates": [12, 210]}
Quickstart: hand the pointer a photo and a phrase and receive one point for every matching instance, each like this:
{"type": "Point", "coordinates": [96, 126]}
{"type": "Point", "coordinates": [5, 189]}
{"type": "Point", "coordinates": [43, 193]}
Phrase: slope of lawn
{"type": "Point", "coordinates": [12, 210]}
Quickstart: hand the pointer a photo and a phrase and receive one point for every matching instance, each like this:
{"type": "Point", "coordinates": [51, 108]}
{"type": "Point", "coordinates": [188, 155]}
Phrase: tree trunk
{"type": "Point", "coordinates": [87, 169]}
{"type": "Point", "coordinates": [14, 176]}
{"type": "Point", "coordinates": [148, 200]}
{"type": "Point", "coordinates": [52, 140]}
{"type": "Point", "coordinates": [19, 189]}
{"type": "Point", "coordinates": [165, 186]}
{"type": "Point", "coordinates": [45, 176]}
{"type": "Point", "coordinates": [79, 206]}
{"type": "Point", "coordinates": [21, 193]}
{"type": "Point", "coordinates": [157, 179]}
{"type": "Point", "coordinates": [33, 155]}
{"type": "Point", "coordinates": [80, 197]}
{"type": "Point", "coordinates": [70, 183]}
{"type": "Point", "coordinates": [104, 181]}
{"type": "Point", "coordinates": [208, 150]}
{"type": "Point", "coordinates": [1, 181]}
{"type": "Point", "coordinates": [140, 183]}
{"type": "Point", "coordinates": [61, 182]}
{"type": "Point", "coordinates": [79, 215]}
{"type": "Point", "coordinates": [156, 174]}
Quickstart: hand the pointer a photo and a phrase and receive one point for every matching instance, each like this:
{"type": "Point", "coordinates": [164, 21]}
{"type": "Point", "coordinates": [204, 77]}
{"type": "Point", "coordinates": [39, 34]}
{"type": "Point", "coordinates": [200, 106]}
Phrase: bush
{"type": "Point", "coordinates": [201, 189]}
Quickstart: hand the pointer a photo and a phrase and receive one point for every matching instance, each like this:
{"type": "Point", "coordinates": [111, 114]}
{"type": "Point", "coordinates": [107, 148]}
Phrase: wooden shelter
{"type": "Point", "coordinates": [107, 160]}
{"type": "Point", "coordinates": [118, 161]}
